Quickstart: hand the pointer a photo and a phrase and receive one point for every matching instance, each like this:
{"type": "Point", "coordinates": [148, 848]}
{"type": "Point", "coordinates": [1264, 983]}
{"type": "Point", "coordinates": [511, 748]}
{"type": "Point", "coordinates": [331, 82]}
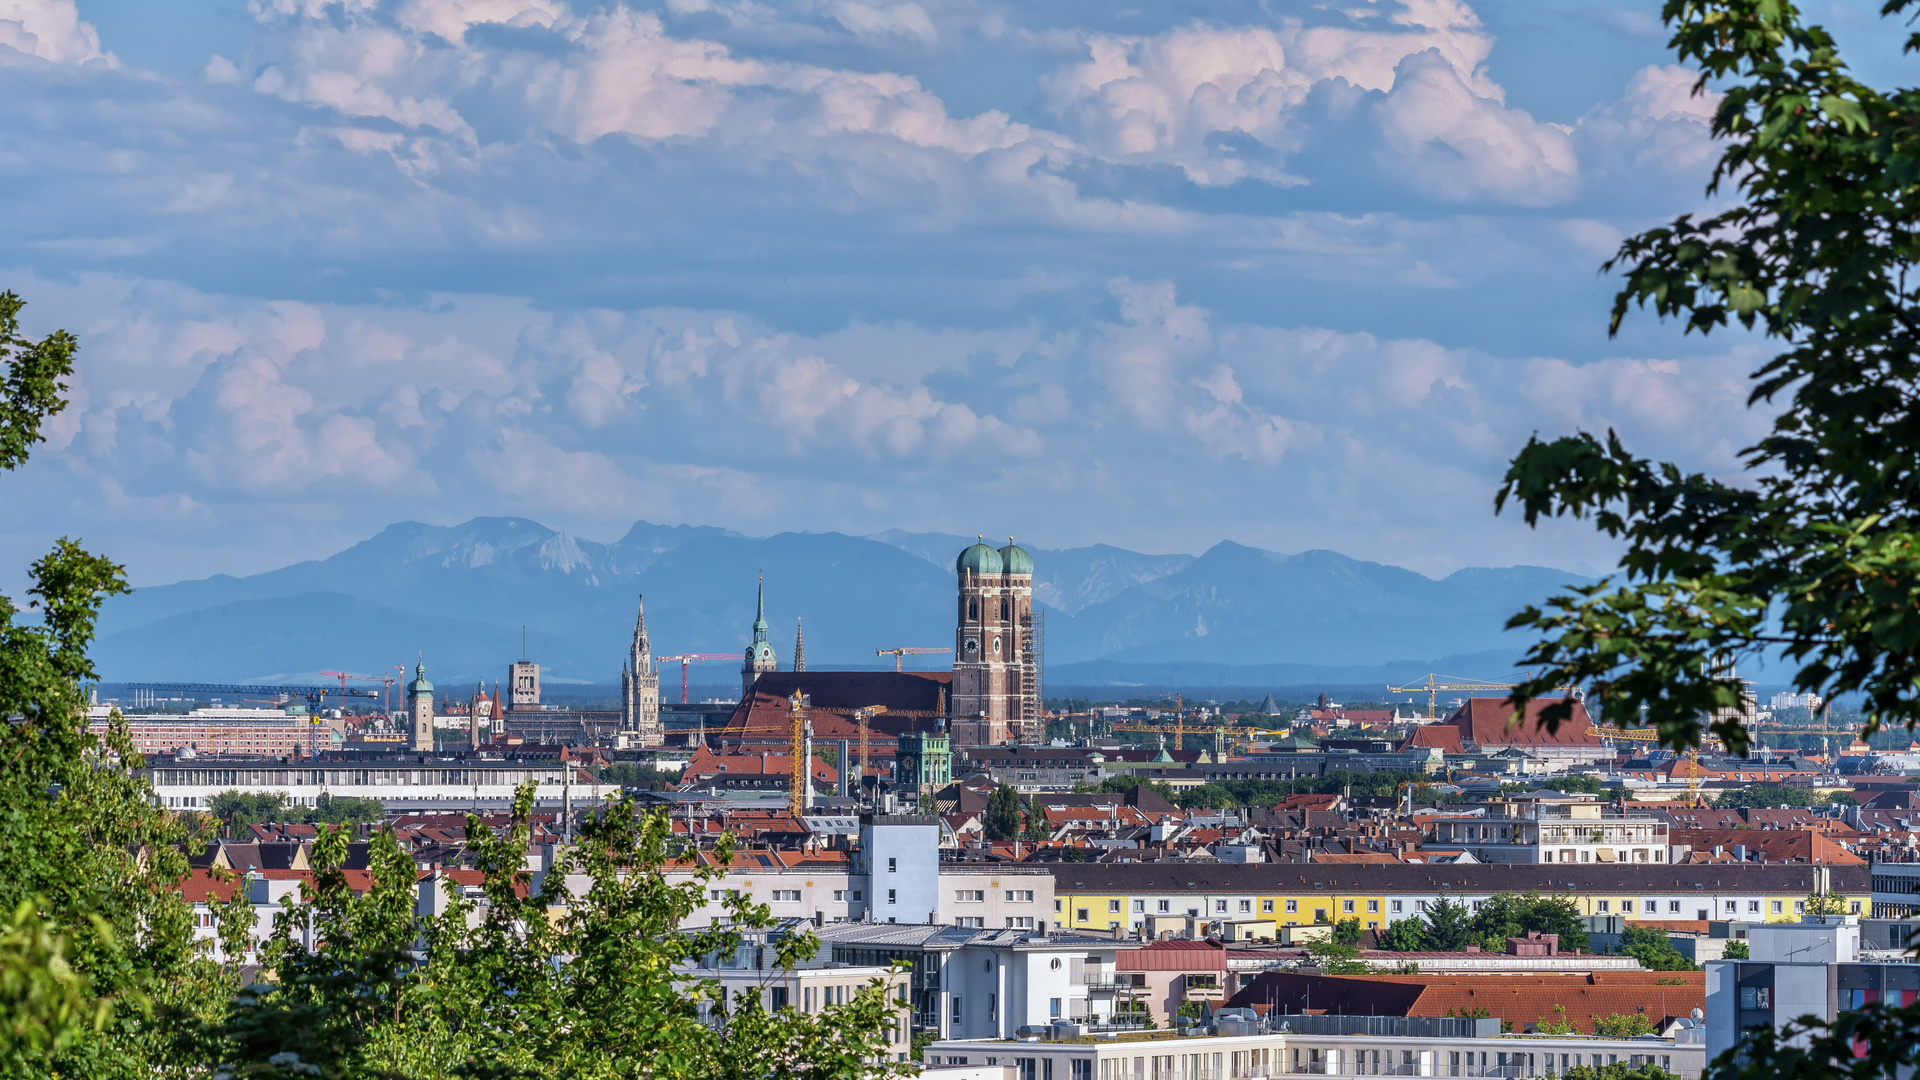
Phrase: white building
{"type": "Point", "coordinates": [1547, 830]}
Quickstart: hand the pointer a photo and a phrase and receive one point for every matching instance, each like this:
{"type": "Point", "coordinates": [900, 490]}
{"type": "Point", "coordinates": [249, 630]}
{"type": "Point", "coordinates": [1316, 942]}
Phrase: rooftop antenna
{"type": "Point", "coordinates": [523, 642]}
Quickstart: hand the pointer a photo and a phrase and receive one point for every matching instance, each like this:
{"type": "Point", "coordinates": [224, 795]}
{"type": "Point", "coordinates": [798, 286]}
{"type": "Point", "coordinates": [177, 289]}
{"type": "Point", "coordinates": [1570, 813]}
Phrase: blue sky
{"type": "Point", "coordinates": [1294, 274]}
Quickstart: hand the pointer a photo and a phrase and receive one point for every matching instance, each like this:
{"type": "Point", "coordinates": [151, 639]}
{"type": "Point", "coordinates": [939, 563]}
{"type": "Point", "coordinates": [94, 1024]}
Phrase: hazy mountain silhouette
{"type": "Point", "coordinates": [460, 594]}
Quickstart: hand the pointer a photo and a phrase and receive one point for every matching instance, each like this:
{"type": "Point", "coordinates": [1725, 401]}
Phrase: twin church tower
{"type": "Point", "coordinates": [996, 681]}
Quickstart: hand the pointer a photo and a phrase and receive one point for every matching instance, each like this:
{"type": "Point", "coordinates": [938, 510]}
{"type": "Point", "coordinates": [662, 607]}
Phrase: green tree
{"type": "Point", "coordinates": [582, 975]}
{"type": "Point", "coordinates": [1622, 1025]}
{"type": "Point", "coordinates": [239, 809]}
{"type": "Point", "coordinates": [1506, 915]}
{"type": "Point", "coordinates": [1558, 1025]}
{"type": "Point", "coordinates": [1811, 553]}
{"type": "Point", "coordinates": [1036, 829]}
{"type": "Point", "coordinates": [1347, 931]}
{"type": "Point", "coordinates": [343, 810]}
{"type": "Point", "coordinates": [1827, 904]}
{"type": "Point", "coordinates": [1653, 949]}
{"type": "Point", "coordinates": [1619, 1071]}
{"type": "Point", "coordinates": [98, 966]}
{"type": "Point", "coordinates": [1405, 935]}
{"type": "Point", "coordinates": [1449, 926]}
{"type": "Point", "coordinates": [1003, 814]}
{"type": "Point", "coordinates": [1337, 957]}
{"type": "Point", "coordinates": [1736, 950]}
{"type": "Point", "coordinates": [1207, 797]}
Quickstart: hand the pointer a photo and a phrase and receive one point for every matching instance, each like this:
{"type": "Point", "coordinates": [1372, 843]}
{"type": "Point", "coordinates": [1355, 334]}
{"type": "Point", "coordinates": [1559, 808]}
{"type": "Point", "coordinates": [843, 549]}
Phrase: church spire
{"type": "Point", "coordinates": [760, 613]}
{"type": "Point", "coordinates": [799, 646]}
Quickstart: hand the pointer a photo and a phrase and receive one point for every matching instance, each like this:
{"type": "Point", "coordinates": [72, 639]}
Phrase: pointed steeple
{"type": "Point", "coordinates": [760, 613]}
{"type": "Point", "coordinates": [799, 646]}
{"type": "Point", "coordinates": [640, 642]}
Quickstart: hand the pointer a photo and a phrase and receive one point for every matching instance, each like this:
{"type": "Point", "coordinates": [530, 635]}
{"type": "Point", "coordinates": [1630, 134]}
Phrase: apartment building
{"type": "Point", "coordinates": [986, 984]}
{"type": "Point", "coordinates": [1810, 968]}
{"type": "Point", "coordinates": [1430, 1047]}
{"type": "Point", "coordinates": [1554, 830]}
{"type": "Point", "coordinates": [1122, 896]}
{"type": "Point", "coordinates": [399, 780]}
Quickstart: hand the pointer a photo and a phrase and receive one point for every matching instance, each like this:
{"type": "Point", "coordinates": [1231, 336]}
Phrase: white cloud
{"type": "Point", "coordinates": [51, 30]}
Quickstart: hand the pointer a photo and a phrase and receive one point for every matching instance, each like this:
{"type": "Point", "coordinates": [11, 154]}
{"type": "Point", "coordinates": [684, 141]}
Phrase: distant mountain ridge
{"type": "Point", "coordinates": [458, 596]}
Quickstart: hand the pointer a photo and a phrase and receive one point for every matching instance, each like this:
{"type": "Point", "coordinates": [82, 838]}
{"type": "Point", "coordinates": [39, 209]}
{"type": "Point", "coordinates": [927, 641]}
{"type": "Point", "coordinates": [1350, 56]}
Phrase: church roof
{"type": "Point", "coordinates": [912, 700]}
{"type": "Point", "coordinates": [1490, 723]}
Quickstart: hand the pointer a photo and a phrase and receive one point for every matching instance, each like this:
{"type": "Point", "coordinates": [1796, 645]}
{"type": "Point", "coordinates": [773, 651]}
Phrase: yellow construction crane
{"type": "Point", "coordinates": [799, 769]}
{"type": "Point", "coordinates": [1434, 684]}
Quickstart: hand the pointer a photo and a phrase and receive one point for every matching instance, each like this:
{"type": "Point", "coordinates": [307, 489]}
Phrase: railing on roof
{"type": "Point", "coordinates": [1430, 1027]}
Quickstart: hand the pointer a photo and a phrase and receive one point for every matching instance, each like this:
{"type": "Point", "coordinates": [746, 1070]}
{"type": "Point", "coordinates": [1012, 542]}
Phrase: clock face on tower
{"type": "Point", "coordinates": [973, 645]}
{"type": "Point", "coordinates": [996, 646]}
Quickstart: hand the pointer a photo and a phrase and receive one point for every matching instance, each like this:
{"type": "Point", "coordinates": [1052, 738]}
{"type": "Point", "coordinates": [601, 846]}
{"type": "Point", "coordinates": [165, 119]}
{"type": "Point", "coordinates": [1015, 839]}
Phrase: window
{"type": "Point", "coordinates": [1320, 914]}
{"type": "Point", "coordinates": [1293, 906]}
{"type": "Point", "coordinates": [1166, 906]}
{"type": "Point", "coordinates": [1603, 907]}
{"type": "Point", "coordinates": [1853, 907]}
{"type": "Point", "coordinates": [971, 922]}
{"type": "Point", "coordinates": [1080, 914]}
{"type": "Point", "coordinates": [1056, 905]}
{"type": "Point", "coordinates": [893, 896]}
{"type": "Point", "coordinates": [1246, 906]}
{"type": "Point", "coordinates": [1139, 906]}
{"type": "Point", "coordinates": [1023, 896]}
{"type": "Point", "coordinates": [1220, 906]}
{"type": "Point", "coordinates": [1777, 905]}
{"type": "Point", "coordinates": [1019, 922]}
{"type": "Point", "coordinates": [1626, 907]}
{"type": "Point", "coordinates": [1346, 906]}
{"type": "Point", "coordinates": [1732, 907]}
{"type": "Point", "coordinates": [893, 865]}
{"type": "Point", "coordinates": [840, 895]}
{"type": "Point", "coordinates": [1753, 906]}
{"type": "Point", "coordinates": [786, 896]}
{"type": "Point", "coordinates": [1053, 1008]}
{"type": "Point", "coordinates": [1373, 907]}
{"type": "Point", "coordinates": [1421, 904]}
{"type": "Point", "coordinates": [1266, 906]}
{"type": "Point", "coordinates": [956, 1009]}
{"type": "Point", "coordinates": [1113, 907]}
{"type": "Point", "coordinates": [970, 896]}
{"type": "Point", "coordinates": [1673, 906]}
{"type": "Point", "coordinates": [1799, 907]}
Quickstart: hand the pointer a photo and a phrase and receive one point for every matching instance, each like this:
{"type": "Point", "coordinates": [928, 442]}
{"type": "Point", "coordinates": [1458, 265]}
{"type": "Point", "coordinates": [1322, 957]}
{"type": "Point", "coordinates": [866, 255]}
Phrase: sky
{"type": "Point", "coordinates": [1297, 275]}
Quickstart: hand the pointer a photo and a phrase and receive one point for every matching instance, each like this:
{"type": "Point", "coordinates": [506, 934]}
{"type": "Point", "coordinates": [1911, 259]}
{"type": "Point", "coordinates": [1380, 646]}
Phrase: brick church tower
{"type": "Point", "coordinates": [995, 673]}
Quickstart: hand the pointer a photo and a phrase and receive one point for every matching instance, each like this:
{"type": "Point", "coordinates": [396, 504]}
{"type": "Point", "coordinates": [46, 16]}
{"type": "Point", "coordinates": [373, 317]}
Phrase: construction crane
{"type": "Point", "coordinates": [1180, 728]}
{"type": "Point", "coordinates": [386, 683]}
{"type": "Point", "coordinates": [906, 651]}
{"type": "Point", "coordinates": [1435, 683]}
{"type": "Point", "coordinates": [685, 659]}
{"type": "Point", "coordinates": [799, 769]}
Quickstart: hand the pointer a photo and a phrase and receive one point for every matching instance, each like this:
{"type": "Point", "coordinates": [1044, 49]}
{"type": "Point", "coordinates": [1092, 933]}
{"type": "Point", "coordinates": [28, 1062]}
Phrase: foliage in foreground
{"type": "Point", "coordinates": [1812, 553]}
{"type": "Point", "coordinates": [580, 974]}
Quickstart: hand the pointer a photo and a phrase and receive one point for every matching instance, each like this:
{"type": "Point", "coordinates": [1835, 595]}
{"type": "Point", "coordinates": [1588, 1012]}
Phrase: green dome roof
{"type": "Point", "coordinates": [420, 685]}
{"type": "Point", "coordinates": [1015, 559]}
{"type": "Point", "coordinates": [979, 559]}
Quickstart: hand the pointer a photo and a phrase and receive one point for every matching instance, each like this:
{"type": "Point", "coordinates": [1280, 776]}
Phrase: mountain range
{"type": "Point", "coordinates": [460, 596]}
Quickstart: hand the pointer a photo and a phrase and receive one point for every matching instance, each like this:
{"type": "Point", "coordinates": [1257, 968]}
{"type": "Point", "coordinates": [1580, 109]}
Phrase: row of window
{"type": "Point", "coordinates": [979, 896]}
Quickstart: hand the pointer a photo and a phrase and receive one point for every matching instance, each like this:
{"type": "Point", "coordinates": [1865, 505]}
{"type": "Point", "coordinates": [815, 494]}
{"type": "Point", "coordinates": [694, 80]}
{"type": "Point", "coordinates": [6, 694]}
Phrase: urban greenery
{"type": "Point", "coordinates": [1619, 1070]}
{"type": "Point", "coordinates": [1651, 946]}
{"type": "Point", "coordinates": [1764, 796]}
{"type": "Point", "coordinates": [1448, 925]}
{"type": "Point", "coordinates": [1812, 553]}
{"type": "Point", "coordinates": [1002, 819]}
{"type": "Point", "coordinates": [1622, 1026]}
{"type": "Point", "coordinates": [1736, 950]}
{"type": "Point", "coordinates": [237, 810]}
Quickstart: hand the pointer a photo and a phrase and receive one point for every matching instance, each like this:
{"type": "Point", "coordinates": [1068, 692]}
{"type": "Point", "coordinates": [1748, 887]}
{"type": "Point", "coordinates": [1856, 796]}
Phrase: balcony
{"type": "Point", "coordinates": [1206, 993]}
{"type": "Point", "coordinates": [1115, 984]}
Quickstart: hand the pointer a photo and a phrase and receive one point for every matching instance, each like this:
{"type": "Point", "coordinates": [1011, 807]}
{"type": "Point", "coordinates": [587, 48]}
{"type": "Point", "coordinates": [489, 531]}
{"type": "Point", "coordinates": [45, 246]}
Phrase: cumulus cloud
{"type": "Point", "coordinates": [51, 30]}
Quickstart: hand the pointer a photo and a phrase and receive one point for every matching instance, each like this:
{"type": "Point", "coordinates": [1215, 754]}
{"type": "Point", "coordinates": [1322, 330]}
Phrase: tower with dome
{"type": "Point", "coordinates": [996, 675]}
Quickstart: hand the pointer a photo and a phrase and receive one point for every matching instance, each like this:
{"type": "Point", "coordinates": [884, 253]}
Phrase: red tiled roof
{"type": "Point", "coordinates": [1444, 736]}
{"type": "Point", "coordinates": [1521, 999]}
{"type": "Point", "coordinates": [1491, 722]}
